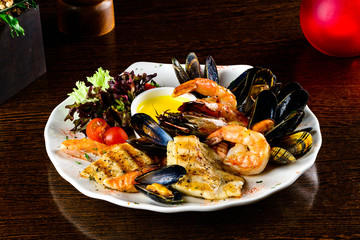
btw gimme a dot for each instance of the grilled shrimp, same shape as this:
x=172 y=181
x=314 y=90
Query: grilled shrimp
x=251 y=152
x=125 y=183
x=85 y=148
x=220 y=103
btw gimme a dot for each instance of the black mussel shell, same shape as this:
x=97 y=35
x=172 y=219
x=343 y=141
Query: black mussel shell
x=286 y=126
x=175 y=199
x=148 y=128
x=211 y=71
x=287 y=89
x=165 y=176
x=264 y=108
x=294 y=102
x=145 y=144
x=281 y=156
x=180 y=73
x=237 y=85
x=242 y=91
x=263 y=79
x=192 y=66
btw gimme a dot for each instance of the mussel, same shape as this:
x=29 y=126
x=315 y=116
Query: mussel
x=211 y=71
x=180 y=73
x=281 y=156
x=156 y=184
x=263 y=79
x=263 y=114
x=193 y=69
x=286 y=126
x=297 y=143
x=192 y=66
x=149 y=131
x=293 y=102
x=249 y=84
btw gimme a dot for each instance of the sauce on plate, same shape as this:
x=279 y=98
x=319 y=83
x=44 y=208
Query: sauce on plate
x=157 y=105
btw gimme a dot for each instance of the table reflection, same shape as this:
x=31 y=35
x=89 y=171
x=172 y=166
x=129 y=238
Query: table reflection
x=82 y=211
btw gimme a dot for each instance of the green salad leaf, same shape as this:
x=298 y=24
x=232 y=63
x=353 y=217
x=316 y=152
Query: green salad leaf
x=100 y=79
x=106 y=97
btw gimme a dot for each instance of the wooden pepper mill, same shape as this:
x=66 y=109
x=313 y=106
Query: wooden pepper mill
x=85 y=17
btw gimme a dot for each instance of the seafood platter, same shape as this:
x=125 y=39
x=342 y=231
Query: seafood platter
x=240 y=137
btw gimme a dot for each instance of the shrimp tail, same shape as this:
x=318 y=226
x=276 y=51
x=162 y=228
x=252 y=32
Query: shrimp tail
x=125 y=183
x=186 y=87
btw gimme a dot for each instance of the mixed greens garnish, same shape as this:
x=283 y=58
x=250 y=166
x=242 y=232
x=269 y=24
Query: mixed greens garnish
x=107 y=97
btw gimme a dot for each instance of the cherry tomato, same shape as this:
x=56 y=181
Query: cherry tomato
x=96 y=129
x=148 y=86
x=115 y=135
x=332 y=26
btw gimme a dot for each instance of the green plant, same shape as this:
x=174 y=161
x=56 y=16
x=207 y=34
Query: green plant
x=8 y=18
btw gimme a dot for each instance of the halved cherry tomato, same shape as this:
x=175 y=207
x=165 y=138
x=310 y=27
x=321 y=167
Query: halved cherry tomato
x=115 y=135
x=148 y=86
x=96 y=129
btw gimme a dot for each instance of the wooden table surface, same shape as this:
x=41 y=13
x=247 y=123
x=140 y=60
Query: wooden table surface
x=37 y=203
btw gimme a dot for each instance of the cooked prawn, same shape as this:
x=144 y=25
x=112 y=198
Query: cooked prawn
x=251 y=152
x=125 y=183
x=85 y=148
x=220 y=103
x=207 y=87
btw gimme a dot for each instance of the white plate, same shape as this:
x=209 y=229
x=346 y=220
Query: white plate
x=258 y=187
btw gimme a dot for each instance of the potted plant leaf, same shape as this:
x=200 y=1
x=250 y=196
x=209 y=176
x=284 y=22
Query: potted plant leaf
x=21 y=46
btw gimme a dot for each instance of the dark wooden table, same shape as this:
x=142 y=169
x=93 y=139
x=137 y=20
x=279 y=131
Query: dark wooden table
x=36 y=202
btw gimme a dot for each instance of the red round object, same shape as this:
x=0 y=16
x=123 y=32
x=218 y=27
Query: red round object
x=96 y=129
x=332 y=26
x=115 y=135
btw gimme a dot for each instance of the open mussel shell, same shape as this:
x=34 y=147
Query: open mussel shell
x=165 y=176
x=264 y=108
x=281 y=156
x=174 y=198
x=148 y=128
x=286 y=126
x=211 y=71
x=294 y=102
x=159 y=180
x=263 y=79
x=241 y=86
x=192 y=66
x=180 y=73
x=297 y=143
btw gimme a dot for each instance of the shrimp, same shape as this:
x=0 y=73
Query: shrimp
x=125 y=183
x=85 y=148
x=221 y=101
x=207 y=87
x=251 y=152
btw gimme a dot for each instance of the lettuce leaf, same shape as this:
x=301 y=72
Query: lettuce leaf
x=100 y=79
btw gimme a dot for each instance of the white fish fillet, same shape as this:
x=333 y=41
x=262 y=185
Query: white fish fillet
x=121 y=159
x=206 y=177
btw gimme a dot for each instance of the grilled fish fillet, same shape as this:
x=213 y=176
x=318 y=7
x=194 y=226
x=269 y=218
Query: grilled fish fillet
x=205 y=176
x=120 y=160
